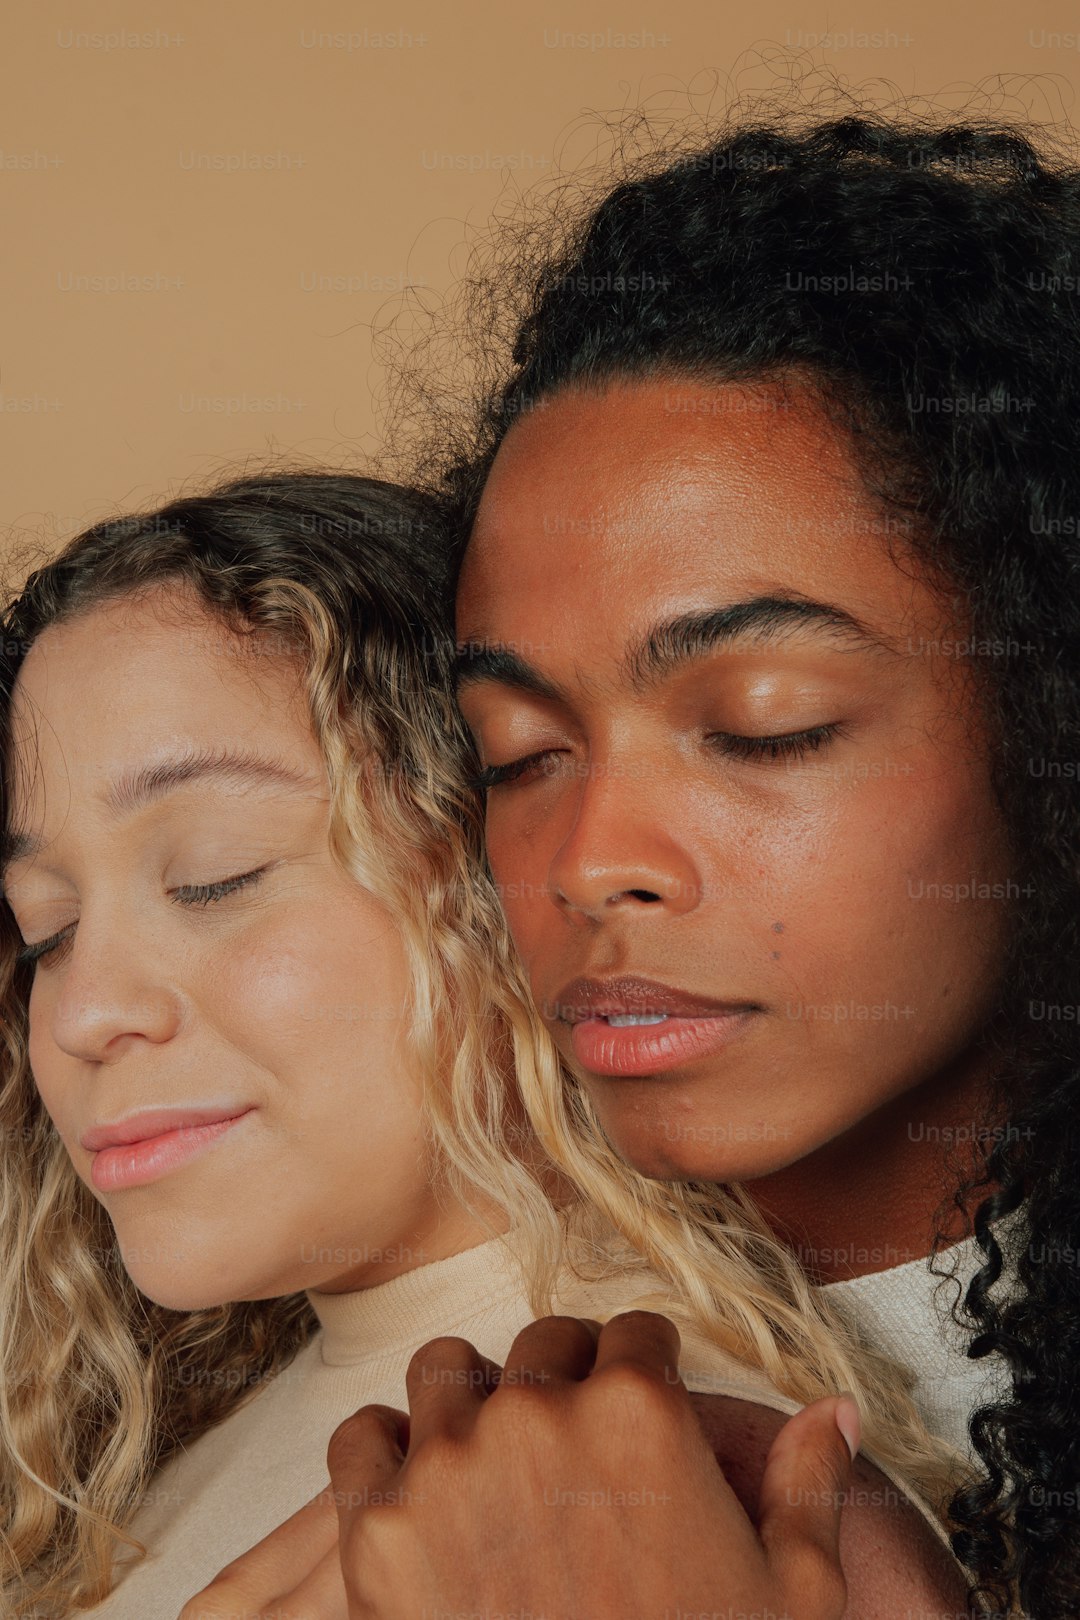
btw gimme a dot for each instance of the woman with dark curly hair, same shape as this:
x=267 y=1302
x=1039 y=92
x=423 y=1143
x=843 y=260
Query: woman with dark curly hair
x=766 y=574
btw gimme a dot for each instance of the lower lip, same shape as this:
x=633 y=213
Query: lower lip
x=634 y=1049
x=135 y=1163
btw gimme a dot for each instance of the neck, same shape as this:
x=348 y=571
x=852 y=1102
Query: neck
x=452 y=1232
x=871 y=1198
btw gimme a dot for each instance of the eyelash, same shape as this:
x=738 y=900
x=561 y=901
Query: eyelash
x=189 y=894
x=496 y=775
x=792 y=746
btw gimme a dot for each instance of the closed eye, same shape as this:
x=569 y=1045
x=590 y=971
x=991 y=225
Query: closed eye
x=496 y=775
x=200 y=894
x=790 y=745
x=45 y=947
x=194 y=894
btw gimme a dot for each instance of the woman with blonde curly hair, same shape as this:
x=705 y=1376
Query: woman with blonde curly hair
x=267 y=1065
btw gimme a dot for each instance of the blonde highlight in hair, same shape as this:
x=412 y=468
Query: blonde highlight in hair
x=100 y=1386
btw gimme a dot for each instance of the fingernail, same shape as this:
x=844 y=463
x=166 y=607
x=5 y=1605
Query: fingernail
x=848 y=1421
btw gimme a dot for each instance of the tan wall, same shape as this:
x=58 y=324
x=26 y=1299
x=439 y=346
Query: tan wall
x=174 y=177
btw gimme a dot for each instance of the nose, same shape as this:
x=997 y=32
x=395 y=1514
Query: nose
x=115 y=989
x=622 y=853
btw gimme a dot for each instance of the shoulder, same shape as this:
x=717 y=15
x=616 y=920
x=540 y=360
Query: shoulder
x=893 y=1562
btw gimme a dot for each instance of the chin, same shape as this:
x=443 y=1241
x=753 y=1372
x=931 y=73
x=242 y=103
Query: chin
x=177 y=1295
x=180 y=1281
x=669 y=1150
x=663 y=1157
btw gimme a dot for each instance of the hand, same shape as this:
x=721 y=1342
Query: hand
x=578 y=1482
x=294 y=1573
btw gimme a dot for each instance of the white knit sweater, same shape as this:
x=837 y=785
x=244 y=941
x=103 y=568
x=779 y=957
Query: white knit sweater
x=905 y=1311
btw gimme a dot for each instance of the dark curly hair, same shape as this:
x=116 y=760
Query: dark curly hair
x=924 y=279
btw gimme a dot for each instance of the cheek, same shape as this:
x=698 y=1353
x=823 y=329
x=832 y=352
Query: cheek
x=279 y=1002
x=519 y=858
x=879 y=889
x=278 y=981
x=950 y=894
x=922 y=846
x=46 y=1061
x=318 y=994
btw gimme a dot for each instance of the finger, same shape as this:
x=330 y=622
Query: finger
x=643 y=1339
x=447 y=1381
x=272 y=1565
x=364 y=1455
x=319 y=1596
x=395 y=1424
x=804 y=1486
x=551 y=1350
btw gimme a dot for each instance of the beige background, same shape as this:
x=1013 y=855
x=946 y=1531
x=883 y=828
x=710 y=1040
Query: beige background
x=206 y=205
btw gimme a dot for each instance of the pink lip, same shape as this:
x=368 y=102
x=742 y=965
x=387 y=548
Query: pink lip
x=695 y=1026
x=149 y=1145
x=587 y=998
x=154 y=1122
x=653 y=1048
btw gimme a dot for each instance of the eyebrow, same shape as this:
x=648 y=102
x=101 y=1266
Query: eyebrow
x=479 y=662
x=677 y=641
x=134 y=789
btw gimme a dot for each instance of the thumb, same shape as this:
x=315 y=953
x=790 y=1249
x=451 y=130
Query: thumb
x=806 y=1481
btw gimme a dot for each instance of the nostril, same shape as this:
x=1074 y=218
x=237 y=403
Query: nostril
x=643 y=894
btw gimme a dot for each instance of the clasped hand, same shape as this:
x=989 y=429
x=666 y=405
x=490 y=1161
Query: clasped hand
x=573 y=1482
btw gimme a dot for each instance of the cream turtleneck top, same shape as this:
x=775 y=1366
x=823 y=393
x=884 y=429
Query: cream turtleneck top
x=236 y=1483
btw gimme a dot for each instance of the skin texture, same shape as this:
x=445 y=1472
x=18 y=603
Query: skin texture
x=286 y=995
x=824 y=890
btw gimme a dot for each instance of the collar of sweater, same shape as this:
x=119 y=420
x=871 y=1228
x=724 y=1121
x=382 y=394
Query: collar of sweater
x=430 y=1299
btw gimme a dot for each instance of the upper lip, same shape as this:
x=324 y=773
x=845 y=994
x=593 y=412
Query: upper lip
x=628 y=994
x=154 y=1122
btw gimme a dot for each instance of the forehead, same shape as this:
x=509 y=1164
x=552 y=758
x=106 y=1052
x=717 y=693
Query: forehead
x=677 y=489
x=135 y=677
